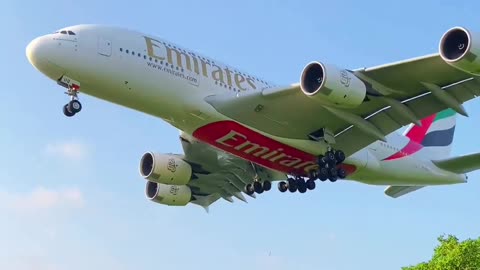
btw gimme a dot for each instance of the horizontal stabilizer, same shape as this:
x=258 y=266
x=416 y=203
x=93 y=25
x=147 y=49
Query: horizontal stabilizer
x=461 y=164
x=397 y=191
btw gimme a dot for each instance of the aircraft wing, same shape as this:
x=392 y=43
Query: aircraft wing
x=217 y=174
x=400 y=94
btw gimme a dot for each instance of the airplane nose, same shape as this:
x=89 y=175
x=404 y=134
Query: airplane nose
x=34 y=51
x=40 y=54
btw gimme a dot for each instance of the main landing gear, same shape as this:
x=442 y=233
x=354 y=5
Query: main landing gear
x=328 y=169
x=296 y=184
x=258 y=187
x=74 y=106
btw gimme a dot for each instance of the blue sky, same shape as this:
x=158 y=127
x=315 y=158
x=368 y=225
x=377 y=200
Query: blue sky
x=70 y=193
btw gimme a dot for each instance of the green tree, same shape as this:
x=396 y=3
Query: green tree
x=451 y=254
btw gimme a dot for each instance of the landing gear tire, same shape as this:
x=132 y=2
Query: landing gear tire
x=323 y=174
x=292 y=186
x=341 y=173
x=339 y=156
x=67 y=112
x=310 y=184
x=257 y=186
x=301 y=185
x=267 y=185
x=322 y=161
x=249 y=189
x=74 y=106
x=282 y=186
x=330 y=157
x=332 y=174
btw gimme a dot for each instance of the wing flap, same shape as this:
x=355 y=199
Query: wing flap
x=461 y=164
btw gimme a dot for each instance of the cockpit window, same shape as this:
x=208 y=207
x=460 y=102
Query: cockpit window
x=65 y=32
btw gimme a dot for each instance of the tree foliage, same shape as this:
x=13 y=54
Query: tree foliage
x=452 y=254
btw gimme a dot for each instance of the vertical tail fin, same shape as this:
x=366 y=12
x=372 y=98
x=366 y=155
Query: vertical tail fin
x=436 y=133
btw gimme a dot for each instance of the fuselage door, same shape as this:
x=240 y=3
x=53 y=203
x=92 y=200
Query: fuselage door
x=104 y=46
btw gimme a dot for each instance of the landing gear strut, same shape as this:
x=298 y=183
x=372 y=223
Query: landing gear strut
x=74 y=106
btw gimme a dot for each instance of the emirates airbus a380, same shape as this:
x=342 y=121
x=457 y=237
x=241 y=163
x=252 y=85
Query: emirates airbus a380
x=235 y=133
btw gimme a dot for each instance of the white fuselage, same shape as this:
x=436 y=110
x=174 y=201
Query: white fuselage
x=159 y=78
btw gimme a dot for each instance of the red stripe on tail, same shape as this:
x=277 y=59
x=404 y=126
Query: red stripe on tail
x=417 y=133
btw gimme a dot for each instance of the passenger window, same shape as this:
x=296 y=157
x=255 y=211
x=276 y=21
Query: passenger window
x=121 y=49
x=144 y=57
x=139 y=54
x=126 y=51
x=133 y=53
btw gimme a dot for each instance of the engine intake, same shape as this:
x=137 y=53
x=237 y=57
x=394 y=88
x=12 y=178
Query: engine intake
x=165 y=169
x=168 y=194
x=332 y=86
x=460 y=49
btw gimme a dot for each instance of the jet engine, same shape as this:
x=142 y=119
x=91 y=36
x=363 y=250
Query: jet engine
x=461 y=49
x=168 y=194
x=330 y=85
x=165 y=169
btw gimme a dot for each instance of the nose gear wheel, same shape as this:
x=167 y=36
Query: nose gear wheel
x=73 y=106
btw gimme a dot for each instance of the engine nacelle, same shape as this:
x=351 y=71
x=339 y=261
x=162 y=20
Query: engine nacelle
x=461 y=49
x=165 y=169
x=168 y=194
x=330 y=85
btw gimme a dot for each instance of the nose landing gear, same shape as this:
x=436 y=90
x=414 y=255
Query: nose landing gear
x=74 y=106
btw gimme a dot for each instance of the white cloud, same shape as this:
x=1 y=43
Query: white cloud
x=41 y=199
x=72 y=150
